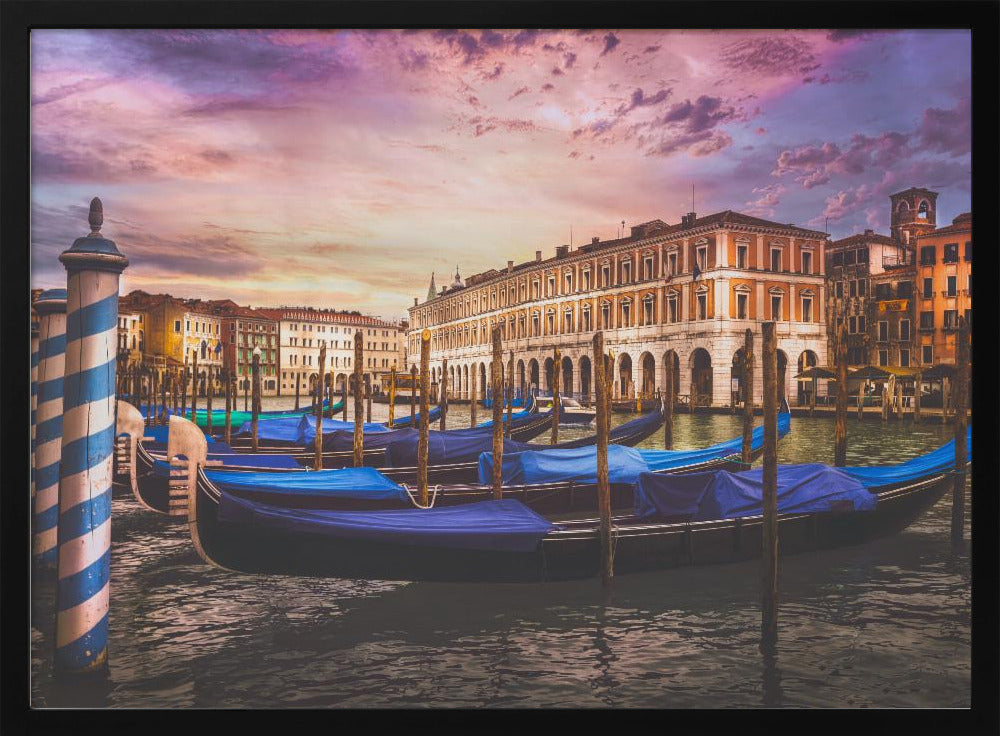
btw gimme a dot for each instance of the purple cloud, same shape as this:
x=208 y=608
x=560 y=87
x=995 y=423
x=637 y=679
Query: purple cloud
x=770 y=55
x=948 y=131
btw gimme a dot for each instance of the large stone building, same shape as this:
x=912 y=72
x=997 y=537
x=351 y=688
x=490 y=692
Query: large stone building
x=692 y=288
x=304 y=330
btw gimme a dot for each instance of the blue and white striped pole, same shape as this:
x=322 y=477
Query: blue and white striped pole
x=93 y=266
x=51 y=309
x=34 y=398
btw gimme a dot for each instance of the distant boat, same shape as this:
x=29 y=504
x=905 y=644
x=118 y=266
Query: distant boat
x=571 y=411
x=694 y=519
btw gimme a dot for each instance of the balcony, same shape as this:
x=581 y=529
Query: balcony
x=967 y=292
x=890 y=262
x=926 y=328
x=949 y=294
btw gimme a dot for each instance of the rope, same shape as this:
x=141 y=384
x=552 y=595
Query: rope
x=416 y=503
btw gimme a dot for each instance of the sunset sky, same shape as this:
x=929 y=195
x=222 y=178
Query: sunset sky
x=338 y=169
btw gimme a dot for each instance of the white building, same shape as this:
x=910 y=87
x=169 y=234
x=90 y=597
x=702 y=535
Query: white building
x=687 y=291
x=303 y=331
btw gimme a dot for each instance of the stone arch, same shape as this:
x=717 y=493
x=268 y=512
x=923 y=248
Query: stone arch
x=465 y=380
x=647 y=372
x=737 y=376
x=566 y=380
x=701 y=377
x=672 y=362
x=624 y=387
x=782 y=361
x=483 y=379
x=341 y=381
x=586 y=378
x=804 y=387
x=519 y=377
x=533 y=378
x=548 y=373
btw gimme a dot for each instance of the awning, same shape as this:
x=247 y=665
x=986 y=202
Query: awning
x=817 y=371
x=870 y=372
x=939 y=371
x=900 y=372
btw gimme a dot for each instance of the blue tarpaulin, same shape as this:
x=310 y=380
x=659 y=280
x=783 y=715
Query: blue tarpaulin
x=302 y=430
x=245 y=460
x=502 y=525
x=940 y=460
x=514 y=417
x=452 y=446
x=342 y=440
x=404 y=421
x=535 y=466
x=344 y=483
x=725 y=495
x=160 y=432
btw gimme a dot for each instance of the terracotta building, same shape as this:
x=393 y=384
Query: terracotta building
x=244 y=329
x=944 y=284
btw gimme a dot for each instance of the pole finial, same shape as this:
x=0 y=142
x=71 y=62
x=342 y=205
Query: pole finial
x=96 y=216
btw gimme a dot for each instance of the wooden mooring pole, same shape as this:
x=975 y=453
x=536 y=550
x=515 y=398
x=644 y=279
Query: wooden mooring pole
x=603 y=486
x=183 y=391
x=747 y=450
x=556 y=371
x=343 y=393
x=255 y=403
x=840 y=420
x=916 y=397
x=671 y=391
x=960 y=393
x=769 y=561
x=413 y=393
x=164 y=384
x=472 y=400
x=359 y=427
x=228 y=376
x=246 y=394
x=423 y=437
x=368 y=398
x=318 y=438
x=509 y=392
x=209 y=391
x=497 y=376
x=392 y=395
x=298 y=380
x=444 y=395
x=194 y=389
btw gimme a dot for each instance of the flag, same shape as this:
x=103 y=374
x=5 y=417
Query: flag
x=696 y=272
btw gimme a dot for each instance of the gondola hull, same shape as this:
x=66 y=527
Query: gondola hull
x=571 y=552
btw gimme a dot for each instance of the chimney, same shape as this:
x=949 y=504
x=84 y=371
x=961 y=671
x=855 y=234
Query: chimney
x=561 y=251
x=414 y=301
x=538 y=256
x=688 y=219
x=595 y=240
x=510 y=266
x=869 y=232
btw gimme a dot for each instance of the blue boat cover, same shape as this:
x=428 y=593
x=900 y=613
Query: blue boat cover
x=504 y=525
x=245 y=460
x=342 y=440
x=217 y=447
x=536 y=466
x=160 y=432
x=514 y=417
x=451 y=446
x=344 y=483
x=432 y=416
x=938 y=461
x=725 y=495
x=301 y=430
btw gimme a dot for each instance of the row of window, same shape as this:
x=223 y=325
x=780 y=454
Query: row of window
x=200 y=327
x=308 y=327
x=670 y=269
x=928 y=253
x=467 y=336
x=848 y=257
x=950 y=319
x=950 y=290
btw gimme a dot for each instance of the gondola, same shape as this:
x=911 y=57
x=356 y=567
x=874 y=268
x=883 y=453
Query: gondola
x=237 y=417
x=453 y=460
x=565 y=485
x=696 y=519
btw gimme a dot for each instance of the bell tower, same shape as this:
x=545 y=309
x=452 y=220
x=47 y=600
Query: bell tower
x=914 y=212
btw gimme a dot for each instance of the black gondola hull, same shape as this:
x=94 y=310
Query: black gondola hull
x=571 y=553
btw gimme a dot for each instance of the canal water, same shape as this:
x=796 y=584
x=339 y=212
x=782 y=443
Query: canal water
x=885 y=624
